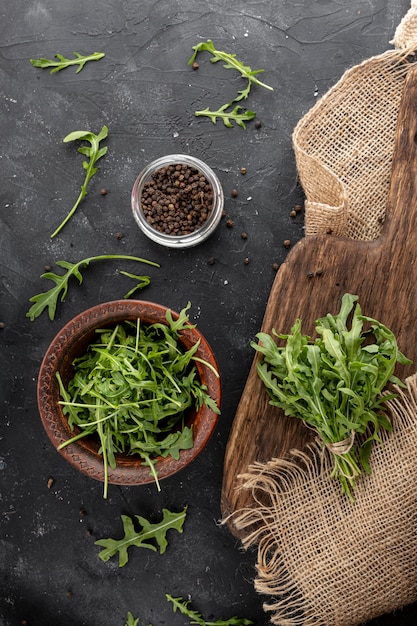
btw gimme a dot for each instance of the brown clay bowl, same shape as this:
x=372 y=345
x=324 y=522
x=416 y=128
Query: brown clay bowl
x=71 y=342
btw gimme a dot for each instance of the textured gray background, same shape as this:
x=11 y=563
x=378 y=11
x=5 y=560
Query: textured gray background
x=145 y=92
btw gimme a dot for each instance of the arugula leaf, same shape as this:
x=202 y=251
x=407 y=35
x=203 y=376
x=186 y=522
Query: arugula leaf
x=131 y=621
x=227 y=116
x=230 y=62
x=143 y=281
x=335 y=383
x=49 y=299
x=94 y=153
x=149 y=533
x=63 y=62
x=196 y=618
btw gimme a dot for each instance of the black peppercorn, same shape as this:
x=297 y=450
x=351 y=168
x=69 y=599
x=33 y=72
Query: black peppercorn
x=177 y=199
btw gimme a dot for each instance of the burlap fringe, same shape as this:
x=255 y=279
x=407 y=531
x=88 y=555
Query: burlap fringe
x=319 y=513
x=343 y=148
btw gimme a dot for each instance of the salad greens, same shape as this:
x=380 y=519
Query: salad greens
x=155 y=533
x=196 y=618
x=230 y=62
x=63 y=62
x=132 y=389
x=49 y=299
x=94 y=153
x=334 y=384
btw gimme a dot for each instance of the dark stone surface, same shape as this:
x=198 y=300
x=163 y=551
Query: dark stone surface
x=146 y=94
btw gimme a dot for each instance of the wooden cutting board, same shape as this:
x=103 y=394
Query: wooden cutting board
x=311 y=283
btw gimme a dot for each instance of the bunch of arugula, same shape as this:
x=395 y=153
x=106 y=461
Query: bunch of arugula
x=237 y=114
x=334 y=384
x=49 y=299
x=94 y=152
x=132 y=389
x=63 y=62
x=142 y=539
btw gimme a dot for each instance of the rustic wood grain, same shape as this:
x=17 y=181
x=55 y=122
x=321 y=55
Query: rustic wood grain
x=311 y=283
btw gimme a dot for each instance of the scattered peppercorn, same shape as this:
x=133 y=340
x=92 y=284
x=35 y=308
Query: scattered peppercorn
x=119 y=236
x=177 y=199
x=234 y=193
x=224 y=213
x=50 y=482
x=286 y=243
x=195 y=65
x=275 y=266
x=211 y=260
x=298 y=208
x=243 y=170
x=2 y=325
x=229 y=223
x=47 y=268
x=82 y=512
x=103 y=192
x=69 y=593
x=319 y=272
x=246 y=261
x=293 y=213
x=244 y=235
x=258 y=124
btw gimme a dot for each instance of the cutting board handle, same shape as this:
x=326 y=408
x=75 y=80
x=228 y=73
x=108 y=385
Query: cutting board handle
x=400 y=217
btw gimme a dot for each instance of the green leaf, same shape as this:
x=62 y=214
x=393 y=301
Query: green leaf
x=94 y=153
x=63 y=62
x=49 y=299
x=143 y=281
x=131 y=621
x=230 y=62
x=147 y=537
x=181 y=605
x=228 y=116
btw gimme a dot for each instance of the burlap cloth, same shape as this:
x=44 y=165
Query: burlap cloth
x=323 y=561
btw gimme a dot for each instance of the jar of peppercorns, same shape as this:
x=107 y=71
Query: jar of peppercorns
x=177 y=201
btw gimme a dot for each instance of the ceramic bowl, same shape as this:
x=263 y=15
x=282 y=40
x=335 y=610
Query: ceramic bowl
x=72 y=342
x=193 y=165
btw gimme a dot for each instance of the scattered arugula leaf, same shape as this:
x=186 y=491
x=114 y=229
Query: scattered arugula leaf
x=131 y=621
x=143 y=281
x=334 y=384
x=196 y=618
x=63 y=62
x=132 y=389
x=94 y=153
x=227 y=116
x=230 y=62
x=143 y=539
x=49 y=299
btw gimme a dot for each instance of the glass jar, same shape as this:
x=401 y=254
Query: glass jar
x=212 y=209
